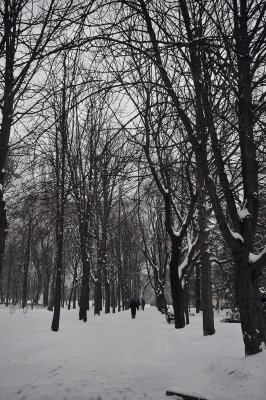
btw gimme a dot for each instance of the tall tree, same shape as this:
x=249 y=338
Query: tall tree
x=217 y=49
x=57 y=25
x=60 y=172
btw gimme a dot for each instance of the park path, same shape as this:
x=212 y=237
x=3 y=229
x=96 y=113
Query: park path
x=115 y=357
x=110 y=357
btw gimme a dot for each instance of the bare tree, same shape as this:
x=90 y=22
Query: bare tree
x=218 y=51
x=31 y=33
x=153 y=240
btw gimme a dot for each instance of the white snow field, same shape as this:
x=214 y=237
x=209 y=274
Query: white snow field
x=115 y=357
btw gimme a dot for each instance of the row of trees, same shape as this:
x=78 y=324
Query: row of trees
x=143 y=131
x=207 y=60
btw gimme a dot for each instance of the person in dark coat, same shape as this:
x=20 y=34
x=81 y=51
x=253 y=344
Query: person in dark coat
x=133 y=307
x=138 y=304
x=142 y=304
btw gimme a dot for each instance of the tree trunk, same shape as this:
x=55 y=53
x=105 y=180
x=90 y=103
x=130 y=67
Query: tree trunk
x=51 y=290
x=186 y=303
x=37 y=294
x=84 y=298
x=161 y=301
x=57 y=297
x=75 y=296
x=84 y=295
x=63 y=288
x=61 y=133
x=15 y=293
x=206 y=281
x=8 y=288
x=118 y=295
x=197 y=288
x=7 y=101
x=26 y=268
x=250 y=306
x=107 y=291
x=176 y=286
x=58 y=266
x=46 y=289
x=97 y=298
x=74 y=282
x=3 y=226
x=113 y=296
x=206 y=296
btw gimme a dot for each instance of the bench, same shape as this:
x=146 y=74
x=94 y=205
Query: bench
x=169 y=317
x=184 y=396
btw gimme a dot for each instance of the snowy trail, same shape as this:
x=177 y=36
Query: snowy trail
x=103 y=359
x=113 y=357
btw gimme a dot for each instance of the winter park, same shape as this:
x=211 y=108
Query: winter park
x=132 y=200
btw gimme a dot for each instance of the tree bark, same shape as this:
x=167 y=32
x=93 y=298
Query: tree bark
x=97 y=298
x=74 y=283
x=107 y=291
x=26 y=266
x=177 y=290
x=7 y=114
x=186 y=302
x=206 y=297
x=61 y=134
x=206 y=280
x=8 y=287
x=85 y=288
x=161 y=301
x=250 y=306
x=57 y=297
x=197 y=288
x=113 y=296
x=51 y=289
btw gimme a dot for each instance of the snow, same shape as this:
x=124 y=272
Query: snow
x=116 y=357
x=243 y=213
x=176 y=233
x=255 y=257
x=237 y=236
x=182 y=266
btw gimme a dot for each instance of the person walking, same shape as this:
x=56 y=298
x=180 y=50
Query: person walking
x=133 y=307
x=138 y=304
x=142 y=304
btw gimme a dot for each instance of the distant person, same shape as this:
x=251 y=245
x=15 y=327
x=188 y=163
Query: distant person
x=138 y=304
x=142 y=304
x=133 y=307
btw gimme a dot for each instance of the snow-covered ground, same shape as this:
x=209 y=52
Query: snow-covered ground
x=113 y=357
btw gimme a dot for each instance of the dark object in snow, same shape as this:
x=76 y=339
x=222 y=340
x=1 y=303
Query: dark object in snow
x=232 y=317
x=170 y=317
x=133 y=307
x=231 y=320
x=184 y=396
